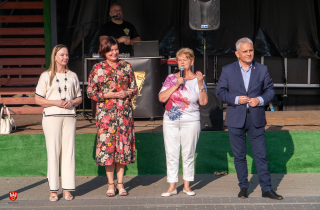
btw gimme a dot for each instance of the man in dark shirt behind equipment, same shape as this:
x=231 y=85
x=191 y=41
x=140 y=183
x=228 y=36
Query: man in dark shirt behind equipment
x=122 y=30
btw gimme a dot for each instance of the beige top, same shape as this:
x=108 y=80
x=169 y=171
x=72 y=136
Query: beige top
x=46 y=91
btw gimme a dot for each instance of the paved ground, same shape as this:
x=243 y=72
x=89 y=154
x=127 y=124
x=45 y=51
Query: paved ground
x=301 y=191
x=288 y=120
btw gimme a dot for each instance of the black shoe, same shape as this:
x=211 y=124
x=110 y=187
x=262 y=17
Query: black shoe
x=243 y=193
x=272 y=195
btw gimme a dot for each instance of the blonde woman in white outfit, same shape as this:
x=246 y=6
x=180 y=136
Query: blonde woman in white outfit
x=181 y=120
x=58 y=91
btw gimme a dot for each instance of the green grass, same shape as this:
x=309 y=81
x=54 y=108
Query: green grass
x=288 y=152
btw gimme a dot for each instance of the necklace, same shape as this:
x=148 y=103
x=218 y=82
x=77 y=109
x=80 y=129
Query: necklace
x=65 y=85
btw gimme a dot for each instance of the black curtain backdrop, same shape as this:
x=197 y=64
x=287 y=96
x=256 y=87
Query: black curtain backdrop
x=286 y=28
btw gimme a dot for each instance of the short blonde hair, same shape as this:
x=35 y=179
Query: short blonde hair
x=186 y=52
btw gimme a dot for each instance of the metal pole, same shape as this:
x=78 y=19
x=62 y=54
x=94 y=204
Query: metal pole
x=204 y=56
x=309 y=71
x=82 y=28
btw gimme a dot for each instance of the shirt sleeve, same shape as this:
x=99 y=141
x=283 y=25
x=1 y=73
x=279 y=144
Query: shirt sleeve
x=77 y=88
x=236 y=101
x=261 y=103
x=134 y=33
x=41 y=88
x=132 y=86
x=93 y=90
x=168 y=83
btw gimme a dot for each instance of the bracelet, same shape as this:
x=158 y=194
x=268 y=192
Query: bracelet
x=203 y=89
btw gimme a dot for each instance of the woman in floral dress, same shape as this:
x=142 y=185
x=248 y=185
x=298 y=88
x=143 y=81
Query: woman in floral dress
x=112 y=84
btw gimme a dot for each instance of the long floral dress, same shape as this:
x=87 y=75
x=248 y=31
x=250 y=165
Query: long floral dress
x=115 y=138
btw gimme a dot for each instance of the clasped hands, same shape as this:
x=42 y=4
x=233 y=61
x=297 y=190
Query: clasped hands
x=120 y=94
x=66 y=104
x=253 y=102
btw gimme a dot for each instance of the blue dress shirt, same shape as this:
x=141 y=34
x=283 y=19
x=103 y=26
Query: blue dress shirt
x=246 y=78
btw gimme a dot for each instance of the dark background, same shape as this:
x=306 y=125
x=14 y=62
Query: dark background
x=279 y=29
x=286 y=28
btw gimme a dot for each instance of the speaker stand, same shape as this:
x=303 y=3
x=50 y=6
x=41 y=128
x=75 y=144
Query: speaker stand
x=204 y=42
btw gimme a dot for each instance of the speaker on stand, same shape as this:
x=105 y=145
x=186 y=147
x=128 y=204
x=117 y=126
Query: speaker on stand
x=211 y=115
x=204 y=15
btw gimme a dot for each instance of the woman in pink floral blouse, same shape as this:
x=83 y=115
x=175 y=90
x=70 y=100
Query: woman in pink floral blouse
x=112 y=84
x=181 y=120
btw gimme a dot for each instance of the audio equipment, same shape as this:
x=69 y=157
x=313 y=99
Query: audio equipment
x=204 y=15
x=211 y=115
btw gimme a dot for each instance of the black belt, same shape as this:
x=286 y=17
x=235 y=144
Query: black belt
x=248 y=110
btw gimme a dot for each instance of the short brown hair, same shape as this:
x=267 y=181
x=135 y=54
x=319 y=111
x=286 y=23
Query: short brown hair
x=187 y=52
x=106 y=44
x=115 y=4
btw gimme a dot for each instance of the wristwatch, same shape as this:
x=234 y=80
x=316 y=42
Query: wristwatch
x=203 y=89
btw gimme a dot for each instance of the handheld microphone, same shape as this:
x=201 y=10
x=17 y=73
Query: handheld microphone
x=114 y=16
x=181 y=75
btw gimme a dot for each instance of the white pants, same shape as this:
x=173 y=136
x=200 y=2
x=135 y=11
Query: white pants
x=60 y=143
x=185 y=134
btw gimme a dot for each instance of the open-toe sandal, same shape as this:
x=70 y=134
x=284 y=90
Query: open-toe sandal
x=68 y=197
x=53 y=198
x=122 y=191
x=111 y=192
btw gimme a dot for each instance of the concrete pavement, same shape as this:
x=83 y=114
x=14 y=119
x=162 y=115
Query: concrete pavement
x=300 y=191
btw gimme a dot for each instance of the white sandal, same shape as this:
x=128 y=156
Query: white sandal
x=122 y=190
x=111 y=191
x=169 y=194
x=191 y=193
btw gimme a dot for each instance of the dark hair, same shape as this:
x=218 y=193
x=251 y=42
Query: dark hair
x=105 y=46
x=114 y=4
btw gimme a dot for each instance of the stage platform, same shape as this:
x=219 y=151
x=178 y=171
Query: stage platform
x=276 y=121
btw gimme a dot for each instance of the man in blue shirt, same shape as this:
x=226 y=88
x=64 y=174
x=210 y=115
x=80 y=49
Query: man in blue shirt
x=246 y=87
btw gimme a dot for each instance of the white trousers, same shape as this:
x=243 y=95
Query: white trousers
x=186 y=135
x=60 y=143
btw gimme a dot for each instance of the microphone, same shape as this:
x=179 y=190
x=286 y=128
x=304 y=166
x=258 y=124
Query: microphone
x=114 y=16
x=181 y=75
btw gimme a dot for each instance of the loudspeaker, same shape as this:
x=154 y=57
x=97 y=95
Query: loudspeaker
x=204 y=15
x=211 y=115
